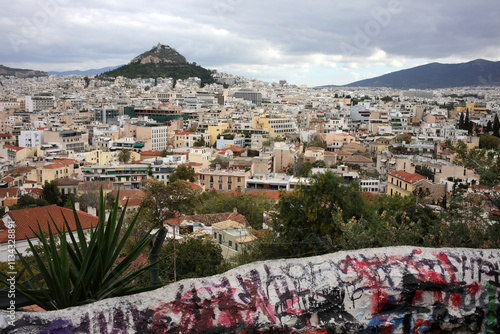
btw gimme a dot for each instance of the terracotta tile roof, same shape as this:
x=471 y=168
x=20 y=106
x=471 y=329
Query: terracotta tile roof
x=5 y=135
x=151 y=153
x=54 y=166
x=183 y=133
x=340 y=152
x=27 y=219
x=191 y=163
x=66 y=181
x=36 y=191
x=195 y=186
x=20 y=170
x=12 y=147
x=358 y=158
x=237 y=149
x=8 y=192
x=134 y=196
x=211 y=218
x=7 y=179
x=314 y=148
x=407 y=177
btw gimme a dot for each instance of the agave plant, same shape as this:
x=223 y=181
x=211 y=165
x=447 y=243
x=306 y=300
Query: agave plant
x=84 y=269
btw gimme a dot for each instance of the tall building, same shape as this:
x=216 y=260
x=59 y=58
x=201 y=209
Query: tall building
x=249 y=95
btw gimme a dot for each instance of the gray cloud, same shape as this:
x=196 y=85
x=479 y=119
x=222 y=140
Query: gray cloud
x=287 y=38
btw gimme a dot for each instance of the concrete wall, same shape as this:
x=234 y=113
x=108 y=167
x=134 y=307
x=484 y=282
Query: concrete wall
x=386 y=290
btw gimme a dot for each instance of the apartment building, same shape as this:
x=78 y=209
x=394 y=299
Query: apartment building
x=222 y=179
x=405 y=184
x=232 y=237
x=31 y=138
x=202 y=155
x=187 y=138
x=51 y=171
x=276 y=126
x=126 y=176
x=71 y=140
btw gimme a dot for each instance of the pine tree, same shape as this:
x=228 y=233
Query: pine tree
x=496 y=127
x=461 y=121
x=489 y=127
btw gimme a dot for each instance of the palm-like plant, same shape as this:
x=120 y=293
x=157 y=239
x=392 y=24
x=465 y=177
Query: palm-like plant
x=84 y=269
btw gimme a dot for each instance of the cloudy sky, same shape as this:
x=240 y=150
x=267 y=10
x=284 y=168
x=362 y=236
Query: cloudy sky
x=305 y=42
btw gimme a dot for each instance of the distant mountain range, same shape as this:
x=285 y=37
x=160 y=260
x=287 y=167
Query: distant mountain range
x=478 y=72
x=20 y=73
x=86 y=72
x=161 y=61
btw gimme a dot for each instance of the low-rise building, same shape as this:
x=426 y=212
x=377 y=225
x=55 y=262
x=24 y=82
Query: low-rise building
x=232 y=237
x=222 y=179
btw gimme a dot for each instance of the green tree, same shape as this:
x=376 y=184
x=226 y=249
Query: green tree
x=124 y=156
x=496 y=127
x=309 y=219
x=425 y=171
x=51 y=192
x=200 y=142
x=485 y=163
x=386 y=99
x=488 y=141
x=27 y=201
x=165 y=202
x=489 y=127
x=221 y=161
x=461 y=121
x=195 y=257
x=252 y=207
x=88 y=198
x=182 y=172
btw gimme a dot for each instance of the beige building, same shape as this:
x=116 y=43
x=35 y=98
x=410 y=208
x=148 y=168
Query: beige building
x=313 y=154
x=232 y=237
x=51 y=172
x=17 y=155
x=98 y=157
x=222 y=179
x=335 y=141
x=284 y=155
x=76 y=141
x=201 y=155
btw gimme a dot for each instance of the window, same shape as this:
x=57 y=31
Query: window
x=220 y=238
x=230 y=244
x=236 y=246
x=215 y=235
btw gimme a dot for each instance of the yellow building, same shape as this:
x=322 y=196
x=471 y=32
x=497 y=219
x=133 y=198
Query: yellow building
x=474 y=108
x=50 y=172
x=98 y=157
x=214 y=130
x=403 y=183
x=276 y=126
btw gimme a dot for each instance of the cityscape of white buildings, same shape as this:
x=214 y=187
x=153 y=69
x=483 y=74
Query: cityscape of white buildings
x=265 y=131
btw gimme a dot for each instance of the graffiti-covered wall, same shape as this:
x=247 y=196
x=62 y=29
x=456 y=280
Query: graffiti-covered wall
x=384 y=290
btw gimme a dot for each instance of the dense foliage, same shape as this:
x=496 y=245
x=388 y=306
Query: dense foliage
x=163 y=70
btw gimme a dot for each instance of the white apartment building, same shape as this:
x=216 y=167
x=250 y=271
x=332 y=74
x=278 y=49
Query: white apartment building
x=30 y=138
